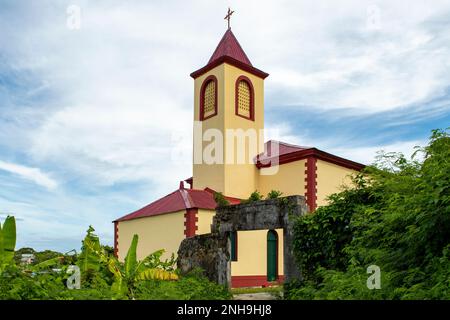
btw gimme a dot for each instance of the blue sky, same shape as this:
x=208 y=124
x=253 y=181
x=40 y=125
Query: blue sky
x=85 y=135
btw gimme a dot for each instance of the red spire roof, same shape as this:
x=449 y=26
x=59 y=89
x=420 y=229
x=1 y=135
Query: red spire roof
x=229 y=51
x=229 y=46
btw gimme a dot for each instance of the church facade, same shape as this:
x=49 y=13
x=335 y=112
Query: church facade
x=231 y=157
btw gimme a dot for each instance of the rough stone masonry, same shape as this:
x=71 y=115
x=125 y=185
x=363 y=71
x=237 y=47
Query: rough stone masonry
x=211 y=252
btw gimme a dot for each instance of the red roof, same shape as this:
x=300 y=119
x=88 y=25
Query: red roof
x=229 y=46
x=229 y=51
x=284 y=148
x=180 y=199
x=289 y=152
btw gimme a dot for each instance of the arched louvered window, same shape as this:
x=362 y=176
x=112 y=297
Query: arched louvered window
x=245 y=98
x=208 y=98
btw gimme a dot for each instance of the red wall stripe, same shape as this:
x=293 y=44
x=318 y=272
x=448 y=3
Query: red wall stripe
x=311 y=183
x=116 y=239
x=253 y=281
x=190 y=222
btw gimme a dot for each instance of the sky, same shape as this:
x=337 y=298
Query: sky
x=95 y=112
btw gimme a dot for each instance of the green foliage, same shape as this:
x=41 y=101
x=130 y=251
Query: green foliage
x=339 y=285
x=48 y=264
x=104 y=276
x=7 y=242
x=127 y=275
x=321 y=237
x=193 y=286
x=154 y=261
x=88 y=260
x=19 y=285
x=255 y=196
x=274 y=194
x=397 y=217
x=220 y=199
x=42 y=256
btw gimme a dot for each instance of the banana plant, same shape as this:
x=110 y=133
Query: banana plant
x=127 y=274
x=7 y=242
x=88 y=260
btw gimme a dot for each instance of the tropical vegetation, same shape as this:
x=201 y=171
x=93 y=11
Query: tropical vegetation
x=102 y=275
x=397 y=217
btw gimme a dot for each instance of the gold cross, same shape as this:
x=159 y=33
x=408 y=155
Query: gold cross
x=228 y=17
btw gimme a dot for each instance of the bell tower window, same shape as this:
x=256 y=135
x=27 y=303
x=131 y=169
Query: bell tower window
x=208 y=98
x=245 y=98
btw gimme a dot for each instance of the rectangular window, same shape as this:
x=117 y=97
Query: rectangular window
x=233 y=240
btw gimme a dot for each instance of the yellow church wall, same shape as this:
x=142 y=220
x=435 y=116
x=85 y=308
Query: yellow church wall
x=330 y=178
x=205 y=218
x=290 y=179
x=241 y=179
x=208 y=175
x=164 y=231
x=252 y=253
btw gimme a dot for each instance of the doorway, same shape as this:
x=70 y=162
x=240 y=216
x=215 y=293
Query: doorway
x=272 y=255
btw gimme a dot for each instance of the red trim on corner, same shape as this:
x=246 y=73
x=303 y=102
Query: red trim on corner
x=254 y=281
x=234 y=62
x=311 y=183
x=116 y=239
x=190 y=222
x=202 y=97
x=252 y=98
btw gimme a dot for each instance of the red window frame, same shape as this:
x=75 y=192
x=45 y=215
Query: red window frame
x=252 y=98
x=202 y=97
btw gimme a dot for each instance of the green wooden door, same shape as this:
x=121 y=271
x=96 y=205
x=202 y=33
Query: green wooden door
x=272 y=255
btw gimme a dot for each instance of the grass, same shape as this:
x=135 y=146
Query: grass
x=273 y=290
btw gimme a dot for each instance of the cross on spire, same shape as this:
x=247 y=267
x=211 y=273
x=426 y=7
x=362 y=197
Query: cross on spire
x=228 y=17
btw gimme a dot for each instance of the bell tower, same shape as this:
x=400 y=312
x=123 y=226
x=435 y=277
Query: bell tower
x=228 y=120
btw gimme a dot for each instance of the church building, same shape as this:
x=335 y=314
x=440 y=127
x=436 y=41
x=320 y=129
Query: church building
x=229 y=103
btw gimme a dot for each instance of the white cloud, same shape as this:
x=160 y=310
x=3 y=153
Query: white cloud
x=331 y=60
x=367 y=155
x=32 y=174
x=362 y=154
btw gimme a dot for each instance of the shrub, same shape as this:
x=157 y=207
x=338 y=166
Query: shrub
x=274 y=194
x=397 y=217
x=190 y=287
x=220 y=199
x=255 y=196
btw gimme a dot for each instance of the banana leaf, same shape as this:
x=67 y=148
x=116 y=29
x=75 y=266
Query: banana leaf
x=131 y=258
x=9 y=234
x=7 y=242
x=156 y=274
x=89 y=257
x=47 y=263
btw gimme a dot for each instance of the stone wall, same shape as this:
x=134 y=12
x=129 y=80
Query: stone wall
x=208 y=252
x=211 y=252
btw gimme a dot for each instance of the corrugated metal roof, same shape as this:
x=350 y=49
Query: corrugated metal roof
x=180 y=199
x=229 y=46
